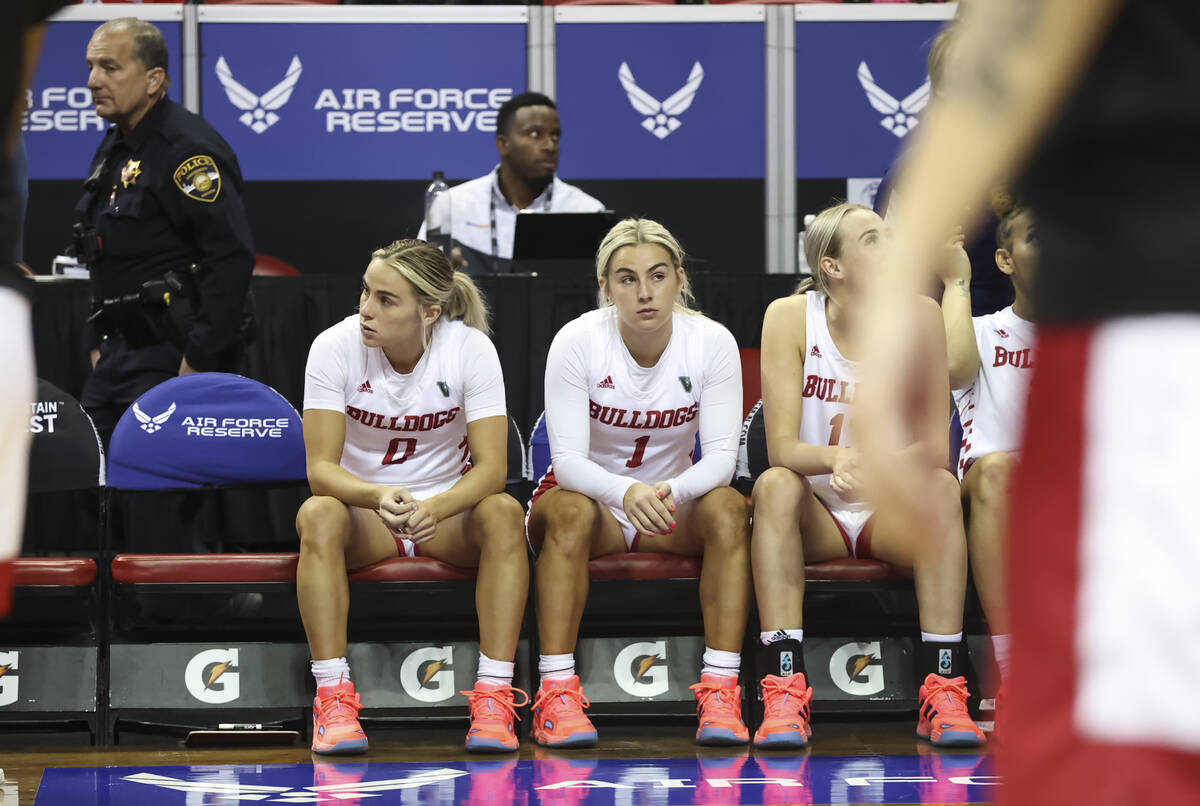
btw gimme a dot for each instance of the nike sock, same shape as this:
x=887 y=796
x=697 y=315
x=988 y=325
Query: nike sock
x=940 y=654
x=782 y=653
x=556 y=667
x=496 y=672
x=1000 y=646
x=718 y=661
x=330 y=672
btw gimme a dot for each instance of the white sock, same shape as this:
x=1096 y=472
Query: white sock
x=556 y=667
x=934 y=638
x=1000 y=646
x=769 y=637
x=497 y=672
x=330 y=672
x=718 y=661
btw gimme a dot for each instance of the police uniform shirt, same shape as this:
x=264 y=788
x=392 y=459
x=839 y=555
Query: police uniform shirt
x=167 y=195
x=409 y=429
x=1114 y=182
x=992 y=408
x=486 y=240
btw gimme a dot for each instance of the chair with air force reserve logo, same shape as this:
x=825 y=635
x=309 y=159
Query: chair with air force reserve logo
x=228 y=645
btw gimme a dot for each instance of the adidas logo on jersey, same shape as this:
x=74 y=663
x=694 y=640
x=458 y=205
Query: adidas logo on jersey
x=815 y=351
x=1002 y=333
x=606 y=383
x=366 y=387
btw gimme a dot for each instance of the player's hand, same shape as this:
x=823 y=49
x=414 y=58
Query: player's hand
x=847 y=476
x=394 y=508
x=953 y=264
x=422 y=523
x=650 y=508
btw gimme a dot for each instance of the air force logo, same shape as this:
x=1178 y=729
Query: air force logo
x=259 y=112
x=900 y=115
x=661 y=116
x=152 y=424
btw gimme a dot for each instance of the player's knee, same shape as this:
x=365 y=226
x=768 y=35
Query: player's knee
x=779 y=488
x=499 y=518
x=569 y=519
x=725 y=518
x=993 y=474
x=322 y=522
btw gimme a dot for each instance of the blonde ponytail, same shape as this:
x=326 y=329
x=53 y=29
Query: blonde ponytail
x=467 y=303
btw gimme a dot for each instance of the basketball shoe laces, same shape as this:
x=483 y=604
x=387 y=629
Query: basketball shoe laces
x=331 y=708
x=561 y=695
x=775 y=695
x=707 y=692
x=953 y=691
x=482 y=702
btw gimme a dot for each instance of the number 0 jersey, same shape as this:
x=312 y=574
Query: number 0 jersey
x=829 y=383
x=612 y=422
x=408 y=430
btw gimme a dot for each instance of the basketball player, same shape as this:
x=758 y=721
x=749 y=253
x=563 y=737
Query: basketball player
x=810 y=504
x=990 y=361
x=1094 y=103
x=627 y=388
x=406 y=437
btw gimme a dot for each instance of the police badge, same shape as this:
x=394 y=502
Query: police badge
x=199 y=178
x=130 y=172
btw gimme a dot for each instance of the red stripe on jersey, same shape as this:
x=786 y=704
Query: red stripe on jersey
x=1040 y=764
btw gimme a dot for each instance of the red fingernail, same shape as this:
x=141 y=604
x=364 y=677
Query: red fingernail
x=660 y=495
x=672 y=526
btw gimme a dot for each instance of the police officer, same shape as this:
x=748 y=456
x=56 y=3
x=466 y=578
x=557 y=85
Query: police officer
x=162 y=226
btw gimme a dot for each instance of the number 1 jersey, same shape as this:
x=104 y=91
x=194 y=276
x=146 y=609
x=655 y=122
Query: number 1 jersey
x=406 y=429
x=612 y=422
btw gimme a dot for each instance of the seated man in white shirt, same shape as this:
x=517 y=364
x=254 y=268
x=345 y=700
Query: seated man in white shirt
x=483 y=211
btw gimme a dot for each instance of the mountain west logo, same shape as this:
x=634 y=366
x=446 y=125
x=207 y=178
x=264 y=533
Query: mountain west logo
x=428 y=674
x=151 y=424
x=640 y=669
x=211 y=676
x=857 y=668
x=900 y=116
x=259 y=110
x=661 y=117
x=9 y=662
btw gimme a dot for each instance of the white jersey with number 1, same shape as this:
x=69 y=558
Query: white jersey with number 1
x=406 y=430
x=612 y=422
x=829 y=383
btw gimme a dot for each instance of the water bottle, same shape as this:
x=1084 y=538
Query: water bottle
x=437 y=212
x=802 y=266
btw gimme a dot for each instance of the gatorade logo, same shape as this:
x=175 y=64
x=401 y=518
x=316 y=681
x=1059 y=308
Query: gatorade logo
x=640 y=669
x=212 y=676
x=427 y=674
x=857 y=668
x=9 y=661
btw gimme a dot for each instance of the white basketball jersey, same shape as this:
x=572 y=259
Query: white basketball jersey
x=828 y=391
x=992 y=409
x=408 y=430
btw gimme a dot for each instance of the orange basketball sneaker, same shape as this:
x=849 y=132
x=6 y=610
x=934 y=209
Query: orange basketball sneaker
x=719 y=708
x=335 y=721
x=944 y=720
x=493 y=709
x=558 y=717
x=785 y=712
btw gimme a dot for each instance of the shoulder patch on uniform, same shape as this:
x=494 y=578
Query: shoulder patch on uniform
x=198 y=178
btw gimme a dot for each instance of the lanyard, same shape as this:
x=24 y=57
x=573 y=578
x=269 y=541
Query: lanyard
x=492 y=212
